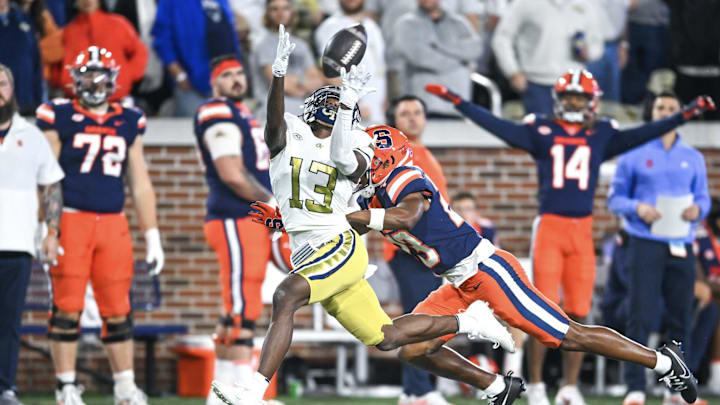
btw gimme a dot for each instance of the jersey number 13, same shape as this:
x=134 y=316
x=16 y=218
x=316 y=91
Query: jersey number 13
x=325 y=190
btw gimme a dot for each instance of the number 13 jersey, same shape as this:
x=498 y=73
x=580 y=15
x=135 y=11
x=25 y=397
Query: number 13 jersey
x=312 y=194
x=93 y=153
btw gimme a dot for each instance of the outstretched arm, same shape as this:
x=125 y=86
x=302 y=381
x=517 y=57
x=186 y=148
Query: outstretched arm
x=513 y=134
x=404 y=216
x=275 y=128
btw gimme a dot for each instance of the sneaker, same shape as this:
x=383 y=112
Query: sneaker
x=713 y=384
x=8 y=397
x=136 y=397
x=514 y=386
x=433 y=398
x=537 y=395
x=70 y=394
x=679 y=378
x=674 y=398
x=479 y=323
x=634 y=398
x=234 y=395
x=569 y=395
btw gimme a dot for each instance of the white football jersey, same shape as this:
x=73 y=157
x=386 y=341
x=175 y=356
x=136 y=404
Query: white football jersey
x=313 y=196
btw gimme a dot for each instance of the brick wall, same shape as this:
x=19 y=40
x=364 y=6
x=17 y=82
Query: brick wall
x=503 y=179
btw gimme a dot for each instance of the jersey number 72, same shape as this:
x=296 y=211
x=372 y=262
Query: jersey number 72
x=114 y=152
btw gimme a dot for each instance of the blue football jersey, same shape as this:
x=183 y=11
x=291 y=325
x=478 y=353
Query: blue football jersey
x=441 y=238
x=94 y=152
x=222 y=201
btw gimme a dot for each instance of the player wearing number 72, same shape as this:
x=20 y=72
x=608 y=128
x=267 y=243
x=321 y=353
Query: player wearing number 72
x=97 y=143
x=568 y=149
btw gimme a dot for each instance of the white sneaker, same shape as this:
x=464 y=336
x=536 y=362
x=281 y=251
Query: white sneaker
x=569 y=395
x=234 y=395
x=434 y=398
x=675 y=398
x=713 y=384
x=135 y=397
x=69 y=395
x=634 y=398
x=479 y=323
x=537 y=395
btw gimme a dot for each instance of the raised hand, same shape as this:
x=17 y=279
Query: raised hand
x=282 y=56
x=354 y=85
x=698 y=106
x=443 y=92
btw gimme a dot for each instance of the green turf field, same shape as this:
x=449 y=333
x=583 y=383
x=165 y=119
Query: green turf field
x=107 y=400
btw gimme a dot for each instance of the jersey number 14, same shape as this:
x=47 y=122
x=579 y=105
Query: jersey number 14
x=576 y=168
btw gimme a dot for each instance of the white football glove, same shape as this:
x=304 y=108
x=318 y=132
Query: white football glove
x=353 y=85
x=155 y=255
x=282 y=56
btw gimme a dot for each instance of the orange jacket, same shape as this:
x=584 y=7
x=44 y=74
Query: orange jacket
x=424 y=159
x=106 y=30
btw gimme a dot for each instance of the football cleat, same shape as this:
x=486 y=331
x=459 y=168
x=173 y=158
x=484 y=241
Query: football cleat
x=569 y=395
x=634 y=398
x=136 y=397
x=70 y=394
x=479 y=322
x=234 y=395
x=514 y=386
x=537 y=395
x=8 y=397
x=679 y=378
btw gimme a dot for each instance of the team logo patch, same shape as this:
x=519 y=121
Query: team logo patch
x=649 y=163
x=709 y=255
x=118 y=123
x=77 y=117
x=297 y=136
x=684 y=165
x=544 y=130
x=382 y=139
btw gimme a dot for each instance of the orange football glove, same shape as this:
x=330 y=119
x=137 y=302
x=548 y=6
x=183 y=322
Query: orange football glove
x=443 y=92
x=267 y=215
x=698 y=106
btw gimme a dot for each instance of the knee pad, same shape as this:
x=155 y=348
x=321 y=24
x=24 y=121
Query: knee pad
x=68 y=326
x=114 y=332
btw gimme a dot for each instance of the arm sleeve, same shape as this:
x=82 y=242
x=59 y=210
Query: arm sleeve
x=223 y=138
x=420 y=49
x=620 y=199
x=623 y=141
x=341 y=145
x=162 y=32
x=505 y=32
x=50 y=171
x=700 y=188
x=513 y=134
x=45 y=117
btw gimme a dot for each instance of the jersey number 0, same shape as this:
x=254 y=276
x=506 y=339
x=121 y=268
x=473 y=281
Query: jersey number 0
x=326 y=190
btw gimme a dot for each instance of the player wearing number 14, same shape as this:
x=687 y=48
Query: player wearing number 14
x=568 y=149
x=96 y=143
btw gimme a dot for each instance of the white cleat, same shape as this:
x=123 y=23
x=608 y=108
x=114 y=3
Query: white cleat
x=234 y=395
x=431 y=398
x=479 y=322
x=634 y=398
x=569 y=395
x=713 y=384
x=136 y=397
x=70 y=394
x=537 y=395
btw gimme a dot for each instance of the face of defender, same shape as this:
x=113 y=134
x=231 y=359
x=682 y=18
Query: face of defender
x=574 y=102
x=94 y=86
x=232 y=83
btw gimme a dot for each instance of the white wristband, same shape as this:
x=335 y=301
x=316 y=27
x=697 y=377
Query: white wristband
x=377 y=219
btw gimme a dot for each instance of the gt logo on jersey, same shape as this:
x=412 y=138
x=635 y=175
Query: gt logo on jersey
x=382 y=139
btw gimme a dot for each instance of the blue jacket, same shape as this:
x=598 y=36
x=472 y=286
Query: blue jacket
x=20 y=53
x=649 y=171
x=179 y=36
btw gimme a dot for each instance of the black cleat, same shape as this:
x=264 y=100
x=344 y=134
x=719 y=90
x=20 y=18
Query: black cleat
x=679 y=378
x=513 y=387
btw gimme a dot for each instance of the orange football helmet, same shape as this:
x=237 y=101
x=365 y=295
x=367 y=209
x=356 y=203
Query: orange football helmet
x=576 y=82
x=94 y=74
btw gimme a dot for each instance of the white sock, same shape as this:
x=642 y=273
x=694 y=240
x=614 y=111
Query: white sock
x=67 y=377
x=243 y=372
x=496 y=387
x=514 y=362
x=225 y=371
x=663 y=364
x=259 y=385
x=124 y=383
x=715 y=369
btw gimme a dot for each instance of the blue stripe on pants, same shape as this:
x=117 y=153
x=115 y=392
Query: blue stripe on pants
x=14 y=278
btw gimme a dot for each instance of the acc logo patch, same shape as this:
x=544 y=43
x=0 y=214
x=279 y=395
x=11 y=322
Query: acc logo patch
x=544 y=130
x=77 y=117
x=709 y=255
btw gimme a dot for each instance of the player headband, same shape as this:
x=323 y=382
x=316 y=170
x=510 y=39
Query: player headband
x=223 y=66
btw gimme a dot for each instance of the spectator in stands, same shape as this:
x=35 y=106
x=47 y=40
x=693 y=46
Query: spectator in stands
x=303 y=75
x=60 y=10
x=186 y=39
x=20 y=53
x=538 y=40
x=26 y=163
x=606 y=70
x=93 y=26
x=695 y=49
x=253 y=11
x=408 y=114
x=48 y=33
x=659 y=265
x=436 y=46
x=648 y=38
x=352 y=12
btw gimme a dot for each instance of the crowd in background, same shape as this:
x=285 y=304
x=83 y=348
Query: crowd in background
x=522 y=45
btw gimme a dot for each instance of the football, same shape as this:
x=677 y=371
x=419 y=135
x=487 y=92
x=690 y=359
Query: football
x=346 y=48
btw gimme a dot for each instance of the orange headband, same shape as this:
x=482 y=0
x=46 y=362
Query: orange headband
x=223 y=66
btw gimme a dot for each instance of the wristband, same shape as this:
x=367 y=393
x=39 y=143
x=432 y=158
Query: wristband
x=377 y=219
x=181 y=77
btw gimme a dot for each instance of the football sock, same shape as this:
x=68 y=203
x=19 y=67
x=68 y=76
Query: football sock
x=496 y=387
x=259 y=384
x=225 y=371
x=124 y=383
x=663 y=364
x=67 y=377
x=243 y=372
x=514 y=362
